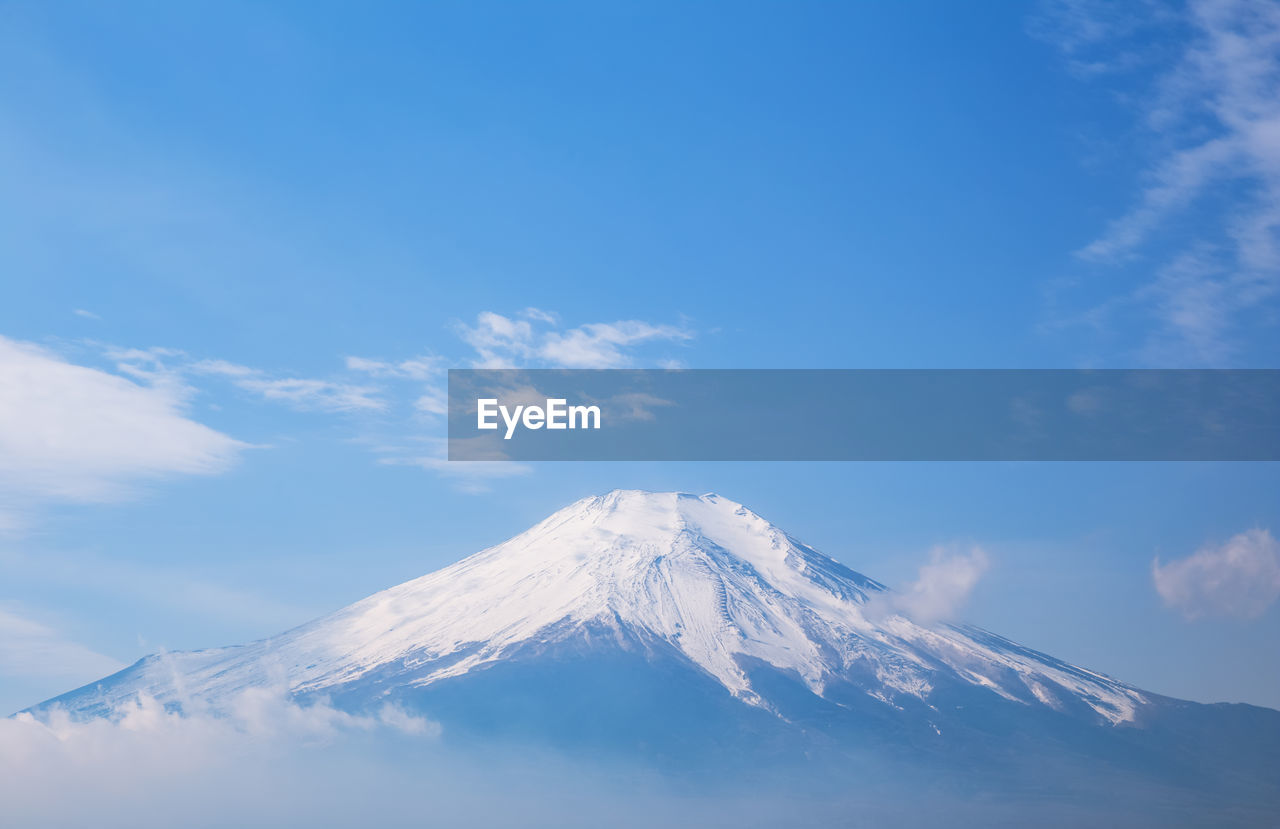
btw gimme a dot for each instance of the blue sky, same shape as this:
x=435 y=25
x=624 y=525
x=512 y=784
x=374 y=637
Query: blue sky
x=263 y=234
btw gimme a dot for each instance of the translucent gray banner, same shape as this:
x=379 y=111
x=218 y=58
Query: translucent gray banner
x=864 y=415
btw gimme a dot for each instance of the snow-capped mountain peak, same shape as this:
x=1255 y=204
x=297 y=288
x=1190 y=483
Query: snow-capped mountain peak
x=702 y=573
x=701 y=576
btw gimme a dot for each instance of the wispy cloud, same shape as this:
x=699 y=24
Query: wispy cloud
x=600 y=345
x=298 y=392
x=424 y=367
x=315 y=394
x=11 y=522
x=473 y=477
x=533 y=338
x=407 y=394
x=71 y=432
x=178 y=371
x=161 y=767
x=80 y=312
x=170 y=587
x=425 y=373
x=433 y=401
x=941 y=588
x=29 y=648
x=500 y=342
x=1213 y=115
x=271 y=761
x=1240 y=578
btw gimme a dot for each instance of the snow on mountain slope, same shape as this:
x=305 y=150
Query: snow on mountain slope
x=702 y=574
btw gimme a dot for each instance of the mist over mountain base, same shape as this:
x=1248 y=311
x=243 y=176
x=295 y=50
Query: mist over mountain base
x=637 y=659
x=273 y=762
x=1208 y=766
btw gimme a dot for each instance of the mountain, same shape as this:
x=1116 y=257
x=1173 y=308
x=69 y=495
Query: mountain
x=680 y=627
x=701 y=575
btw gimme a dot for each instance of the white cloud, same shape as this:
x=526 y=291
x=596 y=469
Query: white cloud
x=223 y=368
x=941 y=588
x=1176 y=182
x=1078 y=27
x=150 y=767
x=1195 y=299
x=152 y=366
x=540 y=315
x=531 y=338
x=433 y=401
x=634 y=406
x=80 y=312
x=426 y=369
x=499 y=342
x=31 y=649
x=315 y=394
x=272 y=762
x=298 y=392
x=472 y=477
x=600 y=345
x=1240 y=578
x=503 y=342
x=1214 y=116
x=415 y=368
x=78 y=433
